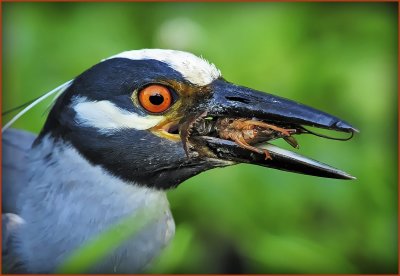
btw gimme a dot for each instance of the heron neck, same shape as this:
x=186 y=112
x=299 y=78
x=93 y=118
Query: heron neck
x=68 y=201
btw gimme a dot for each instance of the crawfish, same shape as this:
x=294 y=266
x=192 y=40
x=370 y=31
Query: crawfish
x=245 y=132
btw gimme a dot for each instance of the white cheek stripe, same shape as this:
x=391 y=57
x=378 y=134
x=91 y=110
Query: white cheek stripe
x=106 y=116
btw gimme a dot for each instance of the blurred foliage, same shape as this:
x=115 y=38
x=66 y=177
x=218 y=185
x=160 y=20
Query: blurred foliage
x=94 y=251
x=337 y=57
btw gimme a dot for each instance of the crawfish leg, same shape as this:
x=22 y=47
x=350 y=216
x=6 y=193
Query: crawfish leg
x=265 y=125
x=242 y=142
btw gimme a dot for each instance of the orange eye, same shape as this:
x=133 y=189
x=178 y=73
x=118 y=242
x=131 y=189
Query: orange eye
x=155 y=98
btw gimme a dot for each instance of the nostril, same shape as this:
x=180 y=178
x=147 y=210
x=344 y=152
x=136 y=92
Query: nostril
x=238 y=99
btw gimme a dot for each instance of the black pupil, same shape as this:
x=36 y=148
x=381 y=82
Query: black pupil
x=156 y=99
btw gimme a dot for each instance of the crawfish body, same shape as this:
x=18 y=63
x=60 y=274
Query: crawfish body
x=245 y=132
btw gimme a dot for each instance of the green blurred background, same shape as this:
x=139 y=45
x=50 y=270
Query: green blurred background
x=338 y=57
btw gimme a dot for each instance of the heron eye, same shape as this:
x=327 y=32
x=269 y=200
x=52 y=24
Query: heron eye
x=155 y=98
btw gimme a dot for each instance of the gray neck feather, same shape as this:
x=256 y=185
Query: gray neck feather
x=69 y=201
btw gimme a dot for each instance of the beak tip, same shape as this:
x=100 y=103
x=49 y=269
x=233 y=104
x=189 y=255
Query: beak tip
x=346 y=127
x=350 y=177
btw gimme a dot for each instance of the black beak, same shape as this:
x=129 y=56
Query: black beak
x=203 y=136
x=232 y=100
